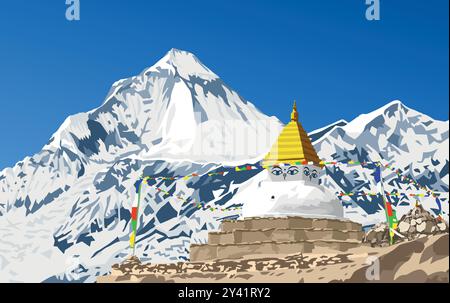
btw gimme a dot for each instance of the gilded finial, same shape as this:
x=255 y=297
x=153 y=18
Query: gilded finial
x=293 y=146
x=294 y=114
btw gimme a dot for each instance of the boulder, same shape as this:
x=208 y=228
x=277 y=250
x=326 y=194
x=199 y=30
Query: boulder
x=403 y=227
x=420 y=228
x=377 y=235
x=442 y=226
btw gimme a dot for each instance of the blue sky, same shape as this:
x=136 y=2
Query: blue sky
x=323 y=53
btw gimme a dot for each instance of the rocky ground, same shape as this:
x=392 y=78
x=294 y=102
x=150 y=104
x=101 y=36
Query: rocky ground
x=425 y=259
x=420 y=254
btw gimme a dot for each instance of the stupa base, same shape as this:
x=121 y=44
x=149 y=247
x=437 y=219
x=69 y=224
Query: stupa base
x=277 y=236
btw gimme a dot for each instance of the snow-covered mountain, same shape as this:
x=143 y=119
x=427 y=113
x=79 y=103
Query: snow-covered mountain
x=72 y=199
x=394 y=134
x=65 y=212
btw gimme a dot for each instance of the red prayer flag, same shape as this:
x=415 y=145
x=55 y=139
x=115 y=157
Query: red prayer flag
x=389 y=209
x=134 y=213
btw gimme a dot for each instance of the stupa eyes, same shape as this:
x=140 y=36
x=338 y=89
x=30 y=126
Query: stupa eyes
x=311 y=174
x=276 y=171
x=306 y=171
x=293 y=170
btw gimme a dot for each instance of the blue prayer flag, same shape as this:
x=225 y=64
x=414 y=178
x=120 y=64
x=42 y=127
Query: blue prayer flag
x=377 y=174
x=138 y=184
x=438 y=202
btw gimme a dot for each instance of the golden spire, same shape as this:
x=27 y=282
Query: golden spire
x=293 y=145
x=294 y=114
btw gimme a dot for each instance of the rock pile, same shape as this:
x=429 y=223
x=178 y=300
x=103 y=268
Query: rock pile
x=415 y=224
x=378 y=235
x=418 y=222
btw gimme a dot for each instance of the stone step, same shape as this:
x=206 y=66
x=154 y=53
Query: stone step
x=238 y=236
x=208 y=252
x=288 y=223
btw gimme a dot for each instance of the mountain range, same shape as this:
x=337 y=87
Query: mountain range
x=65 y=211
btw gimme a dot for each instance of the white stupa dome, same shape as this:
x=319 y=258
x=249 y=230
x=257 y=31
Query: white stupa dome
x=291 y=198
x=289 y=186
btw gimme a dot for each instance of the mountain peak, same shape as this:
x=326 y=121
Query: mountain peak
x=162 y=114
x=184 y=63
x=391 y=109
x=175 y=52
x=175 y=56
x=395 y=105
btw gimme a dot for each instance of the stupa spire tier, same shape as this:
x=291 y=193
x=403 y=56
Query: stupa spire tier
x=293 y=145
x=294 y=114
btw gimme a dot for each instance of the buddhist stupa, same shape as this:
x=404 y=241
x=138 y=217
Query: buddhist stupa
x=289 y=186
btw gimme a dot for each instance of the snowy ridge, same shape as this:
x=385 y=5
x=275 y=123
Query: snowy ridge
x=314 y=135
x=412 y=142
